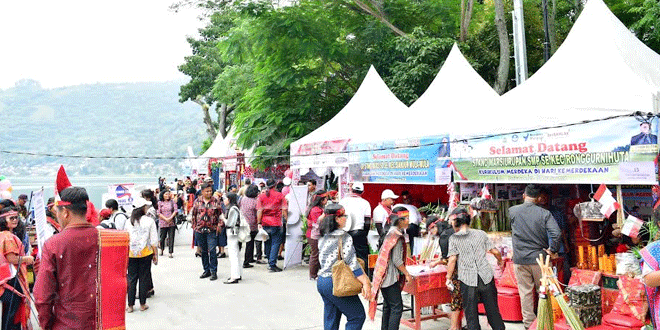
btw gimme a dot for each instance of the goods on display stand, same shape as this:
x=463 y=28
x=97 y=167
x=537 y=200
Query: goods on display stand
x=586 y=301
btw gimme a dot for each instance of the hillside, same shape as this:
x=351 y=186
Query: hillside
x=126 y=119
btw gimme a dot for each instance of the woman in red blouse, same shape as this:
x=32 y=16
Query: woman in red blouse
x=15 y=310
x=313 y=234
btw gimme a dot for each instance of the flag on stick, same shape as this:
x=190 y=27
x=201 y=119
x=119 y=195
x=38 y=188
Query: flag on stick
x=485 y=193
x=604 y=197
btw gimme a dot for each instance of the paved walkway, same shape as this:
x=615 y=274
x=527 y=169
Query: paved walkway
x=263 y=300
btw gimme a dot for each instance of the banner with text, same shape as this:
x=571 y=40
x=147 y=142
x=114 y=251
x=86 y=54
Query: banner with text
x=402 y=161
x=40 y=219
x=615 y=151
x=124 y=193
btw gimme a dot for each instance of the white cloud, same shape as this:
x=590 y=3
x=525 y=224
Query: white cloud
x=70 y=42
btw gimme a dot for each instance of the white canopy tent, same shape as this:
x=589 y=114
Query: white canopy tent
x=372 y=110
x=456 y=95
x=224 y=149
x=600 y=70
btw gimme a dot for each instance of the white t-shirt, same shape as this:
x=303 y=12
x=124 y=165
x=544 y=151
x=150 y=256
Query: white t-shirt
x=119 y=218
x=414 y=216
x=143 y=235
x=380 y=214
x=357 y=208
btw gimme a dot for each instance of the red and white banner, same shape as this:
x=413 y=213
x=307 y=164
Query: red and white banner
x=317 y=148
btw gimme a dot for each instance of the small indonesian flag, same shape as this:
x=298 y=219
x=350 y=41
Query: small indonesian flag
x=604 y=196
x=485 y=193
x=453 y=197
x=632 y=226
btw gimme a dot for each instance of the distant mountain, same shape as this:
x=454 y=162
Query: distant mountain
x=126 y=119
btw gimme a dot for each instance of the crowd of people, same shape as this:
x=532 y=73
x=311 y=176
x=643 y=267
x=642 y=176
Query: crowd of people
x=226 y=224
x=470 y=277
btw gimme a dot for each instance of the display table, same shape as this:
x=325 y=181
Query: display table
x=427 y=289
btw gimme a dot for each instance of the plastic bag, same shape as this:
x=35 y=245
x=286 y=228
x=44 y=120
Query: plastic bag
x=588 y=210
x=627 y=263
x=484 y=204
x=262 y=235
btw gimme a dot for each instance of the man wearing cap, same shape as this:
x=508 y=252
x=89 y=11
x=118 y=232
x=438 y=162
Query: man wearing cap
x=271 y=210
x=69 y=292
x=20 y=205
x=206 y=223
x=359 y=219
x=383 y=210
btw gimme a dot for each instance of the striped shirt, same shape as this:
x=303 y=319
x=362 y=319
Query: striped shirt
x=329 y=251
x=471 y=246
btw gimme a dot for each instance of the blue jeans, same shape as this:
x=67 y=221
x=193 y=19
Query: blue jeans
x=208 y=243
x=334 y=307
x=276 y=235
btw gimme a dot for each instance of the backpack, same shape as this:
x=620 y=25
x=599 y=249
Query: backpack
x=113 y=220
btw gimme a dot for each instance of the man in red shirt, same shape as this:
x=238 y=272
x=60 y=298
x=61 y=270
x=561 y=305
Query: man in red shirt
x=271 y=209
x=68 y=293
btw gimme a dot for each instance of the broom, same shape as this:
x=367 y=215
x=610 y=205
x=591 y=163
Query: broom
x=545 y=316
x=571 y=317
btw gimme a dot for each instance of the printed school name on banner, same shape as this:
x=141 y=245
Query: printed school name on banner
x=620 y=150
x=412 y=160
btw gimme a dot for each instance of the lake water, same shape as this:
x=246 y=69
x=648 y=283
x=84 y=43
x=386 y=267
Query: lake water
x=96 y=186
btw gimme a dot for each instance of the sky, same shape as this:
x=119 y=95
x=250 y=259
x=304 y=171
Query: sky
x=72 y=42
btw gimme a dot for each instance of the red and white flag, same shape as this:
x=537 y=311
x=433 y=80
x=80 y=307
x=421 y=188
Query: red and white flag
x=632 y=226
x=604 y=197
x=453 y=197
x=485 y=193
x=455 y=170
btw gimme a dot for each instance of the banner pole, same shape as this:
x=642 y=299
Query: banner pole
x=620 y=217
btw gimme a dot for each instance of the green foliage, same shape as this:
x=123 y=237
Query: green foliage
x=647 y=27
x=419 y=59
x=286 y=71
x=206 y=144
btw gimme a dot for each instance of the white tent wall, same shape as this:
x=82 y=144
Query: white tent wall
x=222 y=148
x=600 y=70
x=374 y=115
x=371 y=110
x=456 y=95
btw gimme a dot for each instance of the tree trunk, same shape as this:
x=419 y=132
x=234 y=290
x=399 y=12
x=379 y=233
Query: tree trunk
x=466 y=17
x=210 y=128
x=223 y=112
x=505 y=52
x=378 y=13
x=553 y=27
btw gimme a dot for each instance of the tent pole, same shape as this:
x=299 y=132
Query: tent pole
x=619 y=215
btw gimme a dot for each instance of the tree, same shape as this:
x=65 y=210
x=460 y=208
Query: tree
x=505 y=55
x=207 y=62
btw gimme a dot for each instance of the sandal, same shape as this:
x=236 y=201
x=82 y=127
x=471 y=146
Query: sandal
x=129 y=309
x=144 y=307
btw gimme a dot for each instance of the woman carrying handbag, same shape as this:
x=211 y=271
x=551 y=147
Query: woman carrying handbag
x=233 y=245
x=333 y=240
